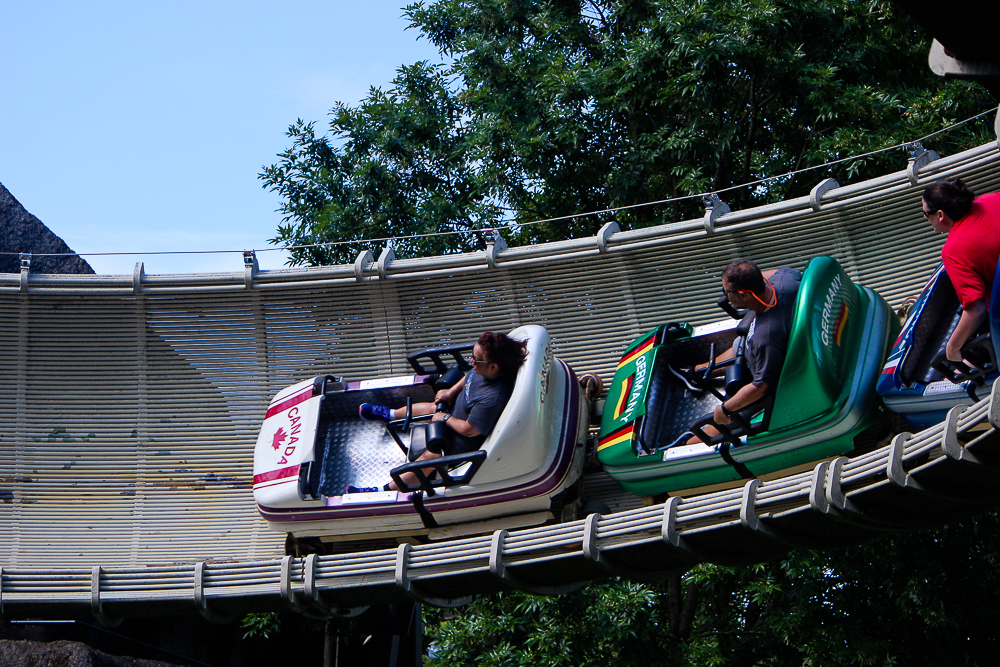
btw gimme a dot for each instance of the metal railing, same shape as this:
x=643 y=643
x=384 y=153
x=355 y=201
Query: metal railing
x=915 y=481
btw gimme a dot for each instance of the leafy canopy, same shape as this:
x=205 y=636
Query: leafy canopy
x=558 y=108
x=919 y=598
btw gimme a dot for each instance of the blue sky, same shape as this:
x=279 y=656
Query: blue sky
x=142 y=126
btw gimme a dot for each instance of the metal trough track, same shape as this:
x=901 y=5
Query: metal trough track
x=921 y=480
x=131 y=405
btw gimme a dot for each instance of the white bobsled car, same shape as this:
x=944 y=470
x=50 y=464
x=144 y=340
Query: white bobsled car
x=313 y=446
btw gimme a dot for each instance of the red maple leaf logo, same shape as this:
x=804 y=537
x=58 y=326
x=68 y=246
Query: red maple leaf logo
x=279 y=438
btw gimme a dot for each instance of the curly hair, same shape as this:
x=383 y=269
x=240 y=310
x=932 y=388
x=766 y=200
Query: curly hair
x=507 y=353
x=952 y=197
x=743 y=274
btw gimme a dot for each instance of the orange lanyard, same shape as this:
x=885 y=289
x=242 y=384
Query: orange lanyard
x=774 y=296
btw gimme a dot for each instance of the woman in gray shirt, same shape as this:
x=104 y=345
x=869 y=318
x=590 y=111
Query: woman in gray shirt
x=478 y=399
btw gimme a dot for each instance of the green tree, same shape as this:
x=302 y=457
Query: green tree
x=396 y=165
x=920 y=598
x=519 y=629
x=558 y=108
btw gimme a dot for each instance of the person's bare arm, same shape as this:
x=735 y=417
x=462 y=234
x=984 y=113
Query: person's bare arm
x=457 y=425
x=725 y=356
x=972 y=317
x=747 y=395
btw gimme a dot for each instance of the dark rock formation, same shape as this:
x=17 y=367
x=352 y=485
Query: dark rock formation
x=64 y=654
x=22 y=232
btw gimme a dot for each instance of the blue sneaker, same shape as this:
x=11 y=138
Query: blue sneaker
x=361 y=489
x=374 y=413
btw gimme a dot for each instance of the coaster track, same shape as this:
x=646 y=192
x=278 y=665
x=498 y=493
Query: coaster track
x=132 y=404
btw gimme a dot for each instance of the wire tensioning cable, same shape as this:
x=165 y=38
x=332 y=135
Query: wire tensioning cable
x=511 y=223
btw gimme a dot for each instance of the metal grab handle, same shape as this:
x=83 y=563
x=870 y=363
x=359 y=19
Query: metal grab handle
x=409 y=414
x=442 y=466
x=706 y=378
x=390 y=425
x=745 y=427
x=726 y=433
x=711 y=363
x=726 y=305
x=434 y=356
x=977 y=351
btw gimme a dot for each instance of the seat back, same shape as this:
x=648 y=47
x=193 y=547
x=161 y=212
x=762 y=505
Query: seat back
x=995 y=312
x=821 y=353
x=519 y=442
x=938 y=317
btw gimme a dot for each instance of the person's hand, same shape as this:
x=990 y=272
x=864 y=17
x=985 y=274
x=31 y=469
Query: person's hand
x=719 y=417
x=953 y=353
x=443 y=396
x=438 y=416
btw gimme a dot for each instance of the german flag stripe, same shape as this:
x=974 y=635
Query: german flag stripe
x=623 y=398
x=841 y=322
x=641 y=349
x=620 y=435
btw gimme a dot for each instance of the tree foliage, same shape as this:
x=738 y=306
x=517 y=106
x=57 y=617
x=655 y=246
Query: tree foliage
x=559 y=108
x=921 y=598
x=400 y=168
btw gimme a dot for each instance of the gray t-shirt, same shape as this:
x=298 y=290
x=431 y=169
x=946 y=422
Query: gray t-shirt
x=767 y=341
x=481 y=403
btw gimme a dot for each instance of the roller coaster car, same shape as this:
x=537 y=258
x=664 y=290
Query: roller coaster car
x=918 y=381
x=313 y=445
x=825 y=395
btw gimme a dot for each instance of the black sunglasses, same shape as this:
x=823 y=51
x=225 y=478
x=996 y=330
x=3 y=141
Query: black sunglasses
x=928 y=214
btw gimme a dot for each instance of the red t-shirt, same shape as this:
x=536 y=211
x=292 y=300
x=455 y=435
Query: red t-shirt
x=970 y=254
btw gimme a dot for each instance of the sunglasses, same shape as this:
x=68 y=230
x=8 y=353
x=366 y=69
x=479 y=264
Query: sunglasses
x=928 y=214
x=473 y=359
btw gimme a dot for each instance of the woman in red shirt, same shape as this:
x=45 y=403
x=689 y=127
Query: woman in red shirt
x=969 y=254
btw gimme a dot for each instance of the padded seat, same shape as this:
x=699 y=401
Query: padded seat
x=937 y=322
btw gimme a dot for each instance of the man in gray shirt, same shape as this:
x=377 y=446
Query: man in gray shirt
x=771 y=296
x=767 y=341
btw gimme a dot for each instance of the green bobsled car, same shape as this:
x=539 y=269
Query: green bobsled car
x=825 y=398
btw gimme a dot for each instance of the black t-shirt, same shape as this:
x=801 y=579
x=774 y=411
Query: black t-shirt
x=481 y=403
x=767 y=341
